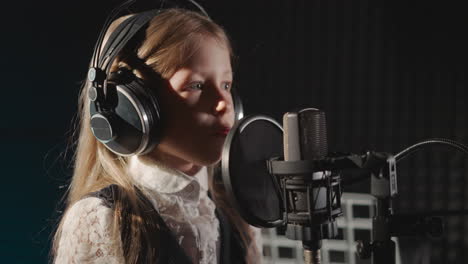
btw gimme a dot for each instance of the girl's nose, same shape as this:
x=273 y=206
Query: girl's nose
x=221 y=107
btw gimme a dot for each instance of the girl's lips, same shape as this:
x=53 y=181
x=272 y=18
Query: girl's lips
x=223 y=131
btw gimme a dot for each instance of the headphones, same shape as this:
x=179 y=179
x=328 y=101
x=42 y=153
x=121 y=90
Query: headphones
x=125 y=113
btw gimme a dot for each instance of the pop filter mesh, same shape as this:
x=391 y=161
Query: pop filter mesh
x=253 y=141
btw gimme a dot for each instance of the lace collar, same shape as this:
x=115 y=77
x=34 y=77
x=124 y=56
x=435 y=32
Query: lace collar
x=156 y=177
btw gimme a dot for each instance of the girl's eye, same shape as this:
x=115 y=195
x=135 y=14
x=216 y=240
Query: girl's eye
x=227 y=86
x=195 y=86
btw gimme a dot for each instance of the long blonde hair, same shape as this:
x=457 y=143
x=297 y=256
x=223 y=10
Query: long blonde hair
x=171 y=38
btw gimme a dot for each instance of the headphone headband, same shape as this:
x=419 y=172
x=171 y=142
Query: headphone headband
x=122 y=35
x=110 y=18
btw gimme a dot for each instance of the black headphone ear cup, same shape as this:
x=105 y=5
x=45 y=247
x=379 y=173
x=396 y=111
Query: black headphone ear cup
x=103 y=127
x=150 y=112
x=135 y=120
x=121 y=76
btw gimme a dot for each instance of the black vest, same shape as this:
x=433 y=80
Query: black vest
x=232 y=249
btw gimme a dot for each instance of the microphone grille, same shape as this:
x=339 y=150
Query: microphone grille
x=313 y=134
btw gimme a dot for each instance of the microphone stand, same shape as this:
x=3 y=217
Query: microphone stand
x=321 y=224
x=381 y=167
x=383 y=187
x=310 y=224
x=386 y=224
x=311 y=202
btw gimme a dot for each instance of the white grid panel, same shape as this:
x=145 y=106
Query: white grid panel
x=277 y=249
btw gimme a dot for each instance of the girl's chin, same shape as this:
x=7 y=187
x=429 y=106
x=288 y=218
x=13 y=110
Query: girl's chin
x=208 y=161
x=209 y=158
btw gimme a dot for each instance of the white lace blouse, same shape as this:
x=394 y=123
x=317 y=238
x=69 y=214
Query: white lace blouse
x=182 y=201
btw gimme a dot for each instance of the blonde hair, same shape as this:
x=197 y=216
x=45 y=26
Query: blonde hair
x=171 y=38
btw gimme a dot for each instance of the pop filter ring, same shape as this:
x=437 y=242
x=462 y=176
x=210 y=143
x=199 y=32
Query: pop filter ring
x=226 y=175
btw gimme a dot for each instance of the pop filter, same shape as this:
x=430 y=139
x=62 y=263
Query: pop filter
x=249 y=185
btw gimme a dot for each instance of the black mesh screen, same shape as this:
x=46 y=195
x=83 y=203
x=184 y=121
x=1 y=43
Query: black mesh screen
x=252 y=185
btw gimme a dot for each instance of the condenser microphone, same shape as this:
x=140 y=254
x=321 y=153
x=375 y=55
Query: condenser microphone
x=305 y=138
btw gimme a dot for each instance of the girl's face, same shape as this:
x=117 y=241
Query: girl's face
x=198 y=107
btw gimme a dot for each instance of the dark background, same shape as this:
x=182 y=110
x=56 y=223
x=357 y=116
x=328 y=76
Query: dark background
x=387 y=73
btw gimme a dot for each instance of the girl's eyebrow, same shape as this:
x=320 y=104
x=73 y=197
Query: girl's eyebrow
x=204 y=73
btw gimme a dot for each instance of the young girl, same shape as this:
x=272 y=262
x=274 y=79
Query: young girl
x=130 y=209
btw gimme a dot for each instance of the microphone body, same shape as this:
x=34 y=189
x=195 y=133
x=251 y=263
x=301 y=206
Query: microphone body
x=307 y=196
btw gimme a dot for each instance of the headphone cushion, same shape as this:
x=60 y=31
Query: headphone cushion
x=136 y=119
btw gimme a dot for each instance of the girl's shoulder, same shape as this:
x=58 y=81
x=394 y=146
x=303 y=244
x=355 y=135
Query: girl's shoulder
x=87 y=234
x=88 y=211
